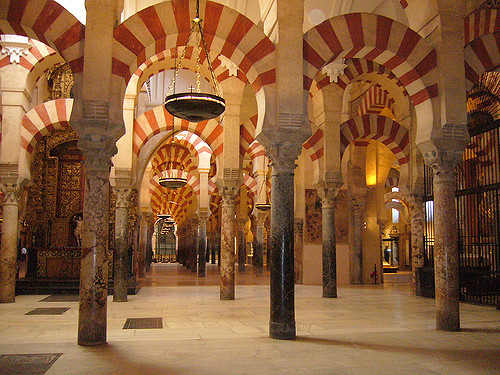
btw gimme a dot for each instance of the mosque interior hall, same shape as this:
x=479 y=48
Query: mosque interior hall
x=250 y=187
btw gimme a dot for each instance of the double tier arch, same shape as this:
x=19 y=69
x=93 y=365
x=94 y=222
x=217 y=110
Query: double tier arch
x=386 y=42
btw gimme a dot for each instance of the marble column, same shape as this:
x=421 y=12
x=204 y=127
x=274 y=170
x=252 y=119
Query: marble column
x=8 y=252
x=141 y=254
x=417 y=242
x=446 y=256
x=227 y=249
x=94 y=263
x=120 y=285
x=298 y=244
x=242 y=250
x=202 y=245
x=258 y=251
x=282 y=317
x=356 y=216
x=329 y=204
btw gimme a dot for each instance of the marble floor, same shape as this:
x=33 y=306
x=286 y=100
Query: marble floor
x=370 y=329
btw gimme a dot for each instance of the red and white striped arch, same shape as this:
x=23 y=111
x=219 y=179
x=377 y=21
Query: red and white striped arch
x=379 y=128
x=247 y=134
x=184 y=197
x=166 y=60
x=193 y=143
x=256 y=149
x=48 y=22
x=158 y=120
x=167 y=24
x=375 y=100
x=482 y=44
x=38 y=59
x=314 y=148
x=251 y=185
x=354 y=70
x=43 y=119
x=178 y=157
x=375 y=38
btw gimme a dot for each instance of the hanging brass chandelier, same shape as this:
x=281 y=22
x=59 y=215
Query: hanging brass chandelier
x=195 y=106
x=170 y=179
x=263 y=206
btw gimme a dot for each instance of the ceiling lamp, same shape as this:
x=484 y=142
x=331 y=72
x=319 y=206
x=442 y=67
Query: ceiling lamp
x=171 y=180
x=263 y=206
x=195 y=106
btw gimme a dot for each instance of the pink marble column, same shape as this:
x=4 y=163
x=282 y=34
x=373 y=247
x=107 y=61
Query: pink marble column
x=229 y=195
x=356 y=216
x=446 y=257
x=120 y=285
x=8 y=252
x=94 y=263
x=329 y=204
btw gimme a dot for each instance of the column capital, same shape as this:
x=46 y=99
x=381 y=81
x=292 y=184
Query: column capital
x=283 y=156
x=98 y=151
x=443 y=163
x=203 y=217
x=122 y=196
x=229 y=192
x=357 y=202
x=9 y=174
x=260 y=216
x=329 y=196
x=15 y=46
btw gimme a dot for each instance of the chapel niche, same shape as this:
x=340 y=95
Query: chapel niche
x=55 y=198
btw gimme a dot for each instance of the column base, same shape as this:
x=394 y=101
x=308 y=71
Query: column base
x=92 y=340
x=99 y=343
x=329 y=294
x=282 y=331
x=226 y=295
x=447 y=323
x=118 y=299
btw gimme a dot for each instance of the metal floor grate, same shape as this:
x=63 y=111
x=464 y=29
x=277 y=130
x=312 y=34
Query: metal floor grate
x=27 y=364
x=48 y=311
x=143 y=323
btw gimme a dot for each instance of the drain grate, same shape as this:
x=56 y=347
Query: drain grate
x=143 y=323
x=61 y=298
x=48 y=311
x=27 y=364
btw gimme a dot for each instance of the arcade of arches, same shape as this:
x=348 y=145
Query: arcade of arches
x=371 y=128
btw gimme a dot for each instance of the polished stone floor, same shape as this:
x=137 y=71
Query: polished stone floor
x=370 y=329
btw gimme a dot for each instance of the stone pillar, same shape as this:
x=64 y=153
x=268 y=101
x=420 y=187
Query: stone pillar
x=417 y=242
x=282 y=317
x=446 y=257
x=242 y=246
x=8 y=250
x=298 y=244
x=356 y=215
x=141 y=253
x=94 y=263
x=202 y=245
x=329 y=204
x=120 y=285
x=258 y=251
x=227 y=250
